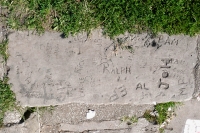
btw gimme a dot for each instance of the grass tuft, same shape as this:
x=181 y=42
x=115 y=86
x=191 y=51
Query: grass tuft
x=162 y=111
x=129 y=120
x=3 y=50
x=7 y=99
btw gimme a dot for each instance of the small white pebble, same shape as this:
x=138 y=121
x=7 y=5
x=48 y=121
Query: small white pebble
x=90 y=114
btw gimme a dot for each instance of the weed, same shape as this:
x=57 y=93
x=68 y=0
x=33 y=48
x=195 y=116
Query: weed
x=129 y=120
x=3 y=50
x=151 y=118
x=162 y=109
x=163 y=113
x=161 y=130
x=7 y=99
x=120 y=43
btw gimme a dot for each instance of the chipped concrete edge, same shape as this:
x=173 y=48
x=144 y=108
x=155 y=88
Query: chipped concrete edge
x=196 y=69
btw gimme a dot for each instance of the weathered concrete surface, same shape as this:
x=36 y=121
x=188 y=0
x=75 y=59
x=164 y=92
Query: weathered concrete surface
x=197 y=70
x=31 y=125
x=137 y=69
x=189 y=110
x=192 y=126
x=72 y=115
x=12 y=117
x=142 y=126
x=117 y=126
x=76 y=113
x=85 y=126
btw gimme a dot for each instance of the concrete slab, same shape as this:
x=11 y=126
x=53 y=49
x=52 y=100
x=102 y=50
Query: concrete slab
x=189 y=110
x=192 y=126
x=85 y=126
x=100 y=127
x=136 y=69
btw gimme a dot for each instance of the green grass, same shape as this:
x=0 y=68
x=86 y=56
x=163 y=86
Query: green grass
x=149 y=117
x=7 y=99
x=162 y=109
x=114 y=16
x=163 y=113
x=3 y=50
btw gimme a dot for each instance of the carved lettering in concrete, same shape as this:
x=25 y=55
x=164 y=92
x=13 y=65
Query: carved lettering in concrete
x=50 y=70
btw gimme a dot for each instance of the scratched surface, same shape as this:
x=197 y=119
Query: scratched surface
x=137 y=69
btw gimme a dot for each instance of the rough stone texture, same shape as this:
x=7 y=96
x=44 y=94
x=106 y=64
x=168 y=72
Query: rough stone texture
x=76 y=113
x=142 y=126
x=31 y=125
x=136 y=69
x=12 y=117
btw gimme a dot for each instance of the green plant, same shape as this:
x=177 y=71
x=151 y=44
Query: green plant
x=120 y=43
x=7 y=98
x=114 y=16
x=149 y=117
x=161 y=130
x=162 y=109
x=3 y=50
x=129 y=120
